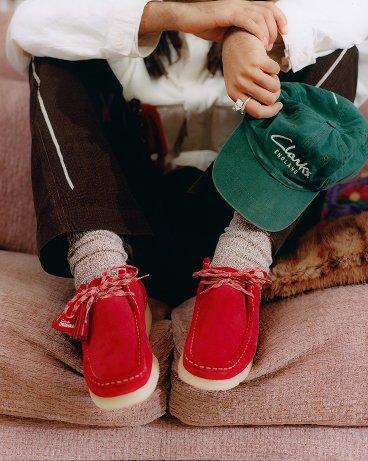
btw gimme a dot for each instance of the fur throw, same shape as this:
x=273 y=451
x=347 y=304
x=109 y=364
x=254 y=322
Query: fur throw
x=330 y=254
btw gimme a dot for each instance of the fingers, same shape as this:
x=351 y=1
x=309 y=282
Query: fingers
x=278 y=15
x=262 y=19
x=253 y=82
x=280 y=18
x=270 y=66
x=260 y=94
x=263 y=103
x=258 y=29
x=269 y=14
x=257 y=110
x=268 y=82
x=271 y=26
x=264 y=90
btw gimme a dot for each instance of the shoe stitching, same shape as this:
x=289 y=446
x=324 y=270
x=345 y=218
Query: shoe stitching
x=132 y=378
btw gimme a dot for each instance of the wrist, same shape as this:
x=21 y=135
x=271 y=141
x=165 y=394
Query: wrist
x=235 y=35
x=157 y=16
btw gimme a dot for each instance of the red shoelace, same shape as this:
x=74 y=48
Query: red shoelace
x=73 y=320
x=216 y=277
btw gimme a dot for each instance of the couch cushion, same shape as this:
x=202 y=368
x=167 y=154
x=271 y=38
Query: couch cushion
x=166 y=439
x=41 y=373
x=311 y=366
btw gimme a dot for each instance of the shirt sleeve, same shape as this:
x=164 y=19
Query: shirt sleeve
x=319 y=27
x=77 y=30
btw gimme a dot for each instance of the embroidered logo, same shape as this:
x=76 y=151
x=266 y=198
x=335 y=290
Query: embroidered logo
x=288 y=155
x=66 y=324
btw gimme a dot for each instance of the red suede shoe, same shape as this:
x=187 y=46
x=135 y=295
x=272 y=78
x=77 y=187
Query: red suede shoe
x=111 y=317
x=223 y=335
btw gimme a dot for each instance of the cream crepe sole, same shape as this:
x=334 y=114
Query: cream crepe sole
x=211 y=384
x=138 y=396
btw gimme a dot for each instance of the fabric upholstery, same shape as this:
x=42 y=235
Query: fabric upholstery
x=6 y=71
x=168 y=439
x=310 y=368
x=41 y=369
x=17 y=217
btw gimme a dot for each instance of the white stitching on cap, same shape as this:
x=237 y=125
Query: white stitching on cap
x=335 y=98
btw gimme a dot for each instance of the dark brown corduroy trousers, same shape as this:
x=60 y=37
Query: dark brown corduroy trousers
x=91 y=170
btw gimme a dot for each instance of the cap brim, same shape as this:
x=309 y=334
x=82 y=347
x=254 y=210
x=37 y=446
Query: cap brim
x=248 y=188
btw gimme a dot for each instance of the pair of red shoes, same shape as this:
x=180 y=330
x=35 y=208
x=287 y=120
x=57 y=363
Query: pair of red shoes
x=111 y=317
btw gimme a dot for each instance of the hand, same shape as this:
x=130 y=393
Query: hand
x=210 y=20
x=248 y=71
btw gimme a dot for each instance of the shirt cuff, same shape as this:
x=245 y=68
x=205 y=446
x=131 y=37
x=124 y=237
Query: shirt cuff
x=123 y=37
x=147 y=44
x=300 y=40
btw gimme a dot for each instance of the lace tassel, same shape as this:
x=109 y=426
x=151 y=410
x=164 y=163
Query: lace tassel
x=76 y=324
x=74 y=319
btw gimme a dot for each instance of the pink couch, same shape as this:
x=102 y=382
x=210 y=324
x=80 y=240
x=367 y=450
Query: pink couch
x=165 y=438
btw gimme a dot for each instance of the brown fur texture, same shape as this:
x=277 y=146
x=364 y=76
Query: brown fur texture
x=330 y=254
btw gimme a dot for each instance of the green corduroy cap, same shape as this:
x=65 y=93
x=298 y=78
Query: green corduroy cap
x=270 y=170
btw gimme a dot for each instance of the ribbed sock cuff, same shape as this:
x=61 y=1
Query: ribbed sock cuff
x=92 y=253
x=243 y=246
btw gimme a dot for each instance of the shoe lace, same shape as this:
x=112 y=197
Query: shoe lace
x=215 y=277
x=73 y=320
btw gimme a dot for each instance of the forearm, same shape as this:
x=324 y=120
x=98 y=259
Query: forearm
x=74 y=30
x=158 y=16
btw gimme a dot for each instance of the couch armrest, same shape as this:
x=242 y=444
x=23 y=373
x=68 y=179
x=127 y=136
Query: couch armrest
x=6 y=70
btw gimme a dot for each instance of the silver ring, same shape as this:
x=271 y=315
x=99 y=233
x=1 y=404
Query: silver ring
x=240 y=105
x=244 y=108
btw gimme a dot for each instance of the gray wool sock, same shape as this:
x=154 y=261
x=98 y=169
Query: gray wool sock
x=243 y=246
x=94 y=252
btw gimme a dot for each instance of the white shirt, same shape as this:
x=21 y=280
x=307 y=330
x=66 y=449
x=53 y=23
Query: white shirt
x=319 y=27
x=76 y=30
x=189 y=93
x=108 y=29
